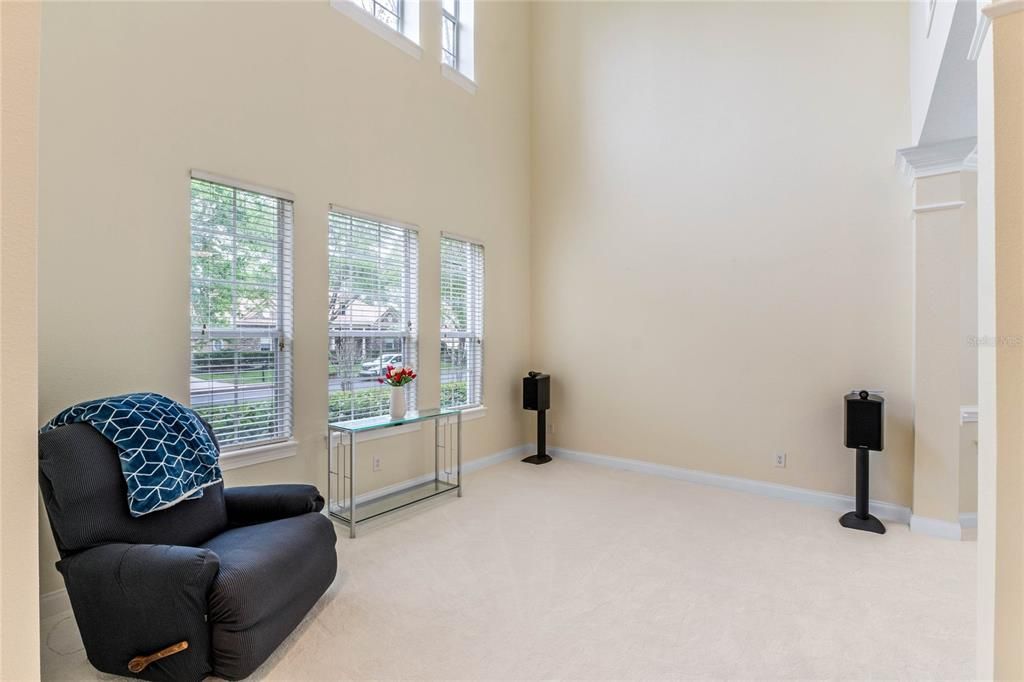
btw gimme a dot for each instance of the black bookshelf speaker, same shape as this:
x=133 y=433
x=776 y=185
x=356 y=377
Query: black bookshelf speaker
x=865 y=417
x=537 y=392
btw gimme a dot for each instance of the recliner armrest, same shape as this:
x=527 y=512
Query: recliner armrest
x=132 y=600
x=248 y=505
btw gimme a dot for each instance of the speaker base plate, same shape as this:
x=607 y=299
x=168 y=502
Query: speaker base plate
x=870 y=524
x=537 y=459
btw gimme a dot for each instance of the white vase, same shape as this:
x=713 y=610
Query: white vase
x=397 y=402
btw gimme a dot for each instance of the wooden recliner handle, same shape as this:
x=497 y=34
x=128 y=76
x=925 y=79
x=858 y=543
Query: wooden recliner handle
x=139 y=663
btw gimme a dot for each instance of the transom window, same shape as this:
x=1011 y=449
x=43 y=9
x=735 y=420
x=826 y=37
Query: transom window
x=450 y=32
x=457 y=58
x=462 y=322
x=372 y=298
x=397 y=21
x=241 y=311
x=388 y=12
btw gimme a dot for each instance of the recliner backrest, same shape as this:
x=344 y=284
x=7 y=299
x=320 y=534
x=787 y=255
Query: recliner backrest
x=86 y=498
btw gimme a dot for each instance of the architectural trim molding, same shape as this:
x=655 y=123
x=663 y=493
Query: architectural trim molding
x=838 y=503
x=969 y=520
x=459 y=78
x=1001 y=8
x=935 y=527
x=980 y=33
x=941 y=206
x=936 y=159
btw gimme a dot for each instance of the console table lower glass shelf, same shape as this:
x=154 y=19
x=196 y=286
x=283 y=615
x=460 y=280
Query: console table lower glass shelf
x=342 y=501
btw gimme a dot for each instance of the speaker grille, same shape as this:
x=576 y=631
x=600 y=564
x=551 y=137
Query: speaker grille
x=864 y=423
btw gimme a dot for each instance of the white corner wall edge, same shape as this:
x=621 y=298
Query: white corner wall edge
x=936 y=527
x=57 y=602
x=833 y=501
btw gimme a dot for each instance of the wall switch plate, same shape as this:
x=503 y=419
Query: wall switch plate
x=780 y=459
x=376 y=463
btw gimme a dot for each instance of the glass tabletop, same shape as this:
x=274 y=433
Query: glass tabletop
x=385 y=421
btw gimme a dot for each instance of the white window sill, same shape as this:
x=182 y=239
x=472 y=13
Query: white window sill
x=361 y=16
x=474 y=413
x=235 y=459
x=459 y=78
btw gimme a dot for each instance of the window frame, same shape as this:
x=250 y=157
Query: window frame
x=454 y=19
x=478 y=334
x=283 y=333
x=463 y=73
x=405 y=38
x=411 y=300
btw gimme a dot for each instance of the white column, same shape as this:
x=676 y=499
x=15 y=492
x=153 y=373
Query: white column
x=1001 y=233
x=939 y=208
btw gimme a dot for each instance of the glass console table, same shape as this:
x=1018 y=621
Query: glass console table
x=342 y=502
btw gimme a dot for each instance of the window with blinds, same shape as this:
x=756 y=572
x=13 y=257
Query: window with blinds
x=462 y=322
x=241 y=305
x=373 y=272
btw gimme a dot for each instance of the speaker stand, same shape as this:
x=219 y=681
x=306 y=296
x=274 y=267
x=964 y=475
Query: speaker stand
x=542 y=456
x=861 y=519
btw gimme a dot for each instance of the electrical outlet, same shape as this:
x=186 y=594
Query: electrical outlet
x=376 y=463
x=780 y=459
x=551 y=428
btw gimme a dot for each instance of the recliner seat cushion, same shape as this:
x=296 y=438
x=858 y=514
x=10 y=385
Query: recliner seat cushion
x=86 y=498
x=271 y=574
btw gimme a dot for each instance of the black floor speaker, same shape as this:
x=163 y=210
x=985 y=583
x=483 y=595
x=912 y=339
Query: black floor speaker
x=537 y=397
x=864 y=427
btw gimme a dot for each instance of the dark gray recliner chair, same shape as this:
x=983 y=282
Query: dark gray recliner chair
x=231 y=573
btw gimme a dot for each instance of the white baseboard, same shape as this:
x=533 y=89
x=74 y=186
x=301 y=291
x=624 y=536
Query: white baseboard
x=54 y=603
x=467 y=467
x=839 y=503
x=936 y=527
x=57 y=602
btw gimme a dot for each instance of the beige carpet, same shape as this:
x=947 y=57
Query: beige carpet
x=574 y=571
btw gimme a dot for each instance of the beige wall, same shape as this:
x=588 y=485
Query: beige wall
x=1006 y=539
x=721 y=245
x=19 y=568
x=294 y=96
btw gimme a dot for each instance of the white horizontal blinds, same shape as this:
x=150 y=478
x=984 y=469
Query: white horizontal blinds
x=462 y=322
x=241 y=370
x=373 y=272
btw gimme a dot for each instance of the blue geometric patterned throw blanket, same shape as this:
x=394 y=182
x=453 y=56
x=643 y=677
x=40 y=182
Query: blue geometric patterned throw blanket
x=166 y=453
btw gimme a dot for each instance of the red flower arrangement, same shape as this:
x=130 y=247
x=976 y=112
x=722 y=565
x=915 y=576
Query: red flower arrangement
x=397 y=376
